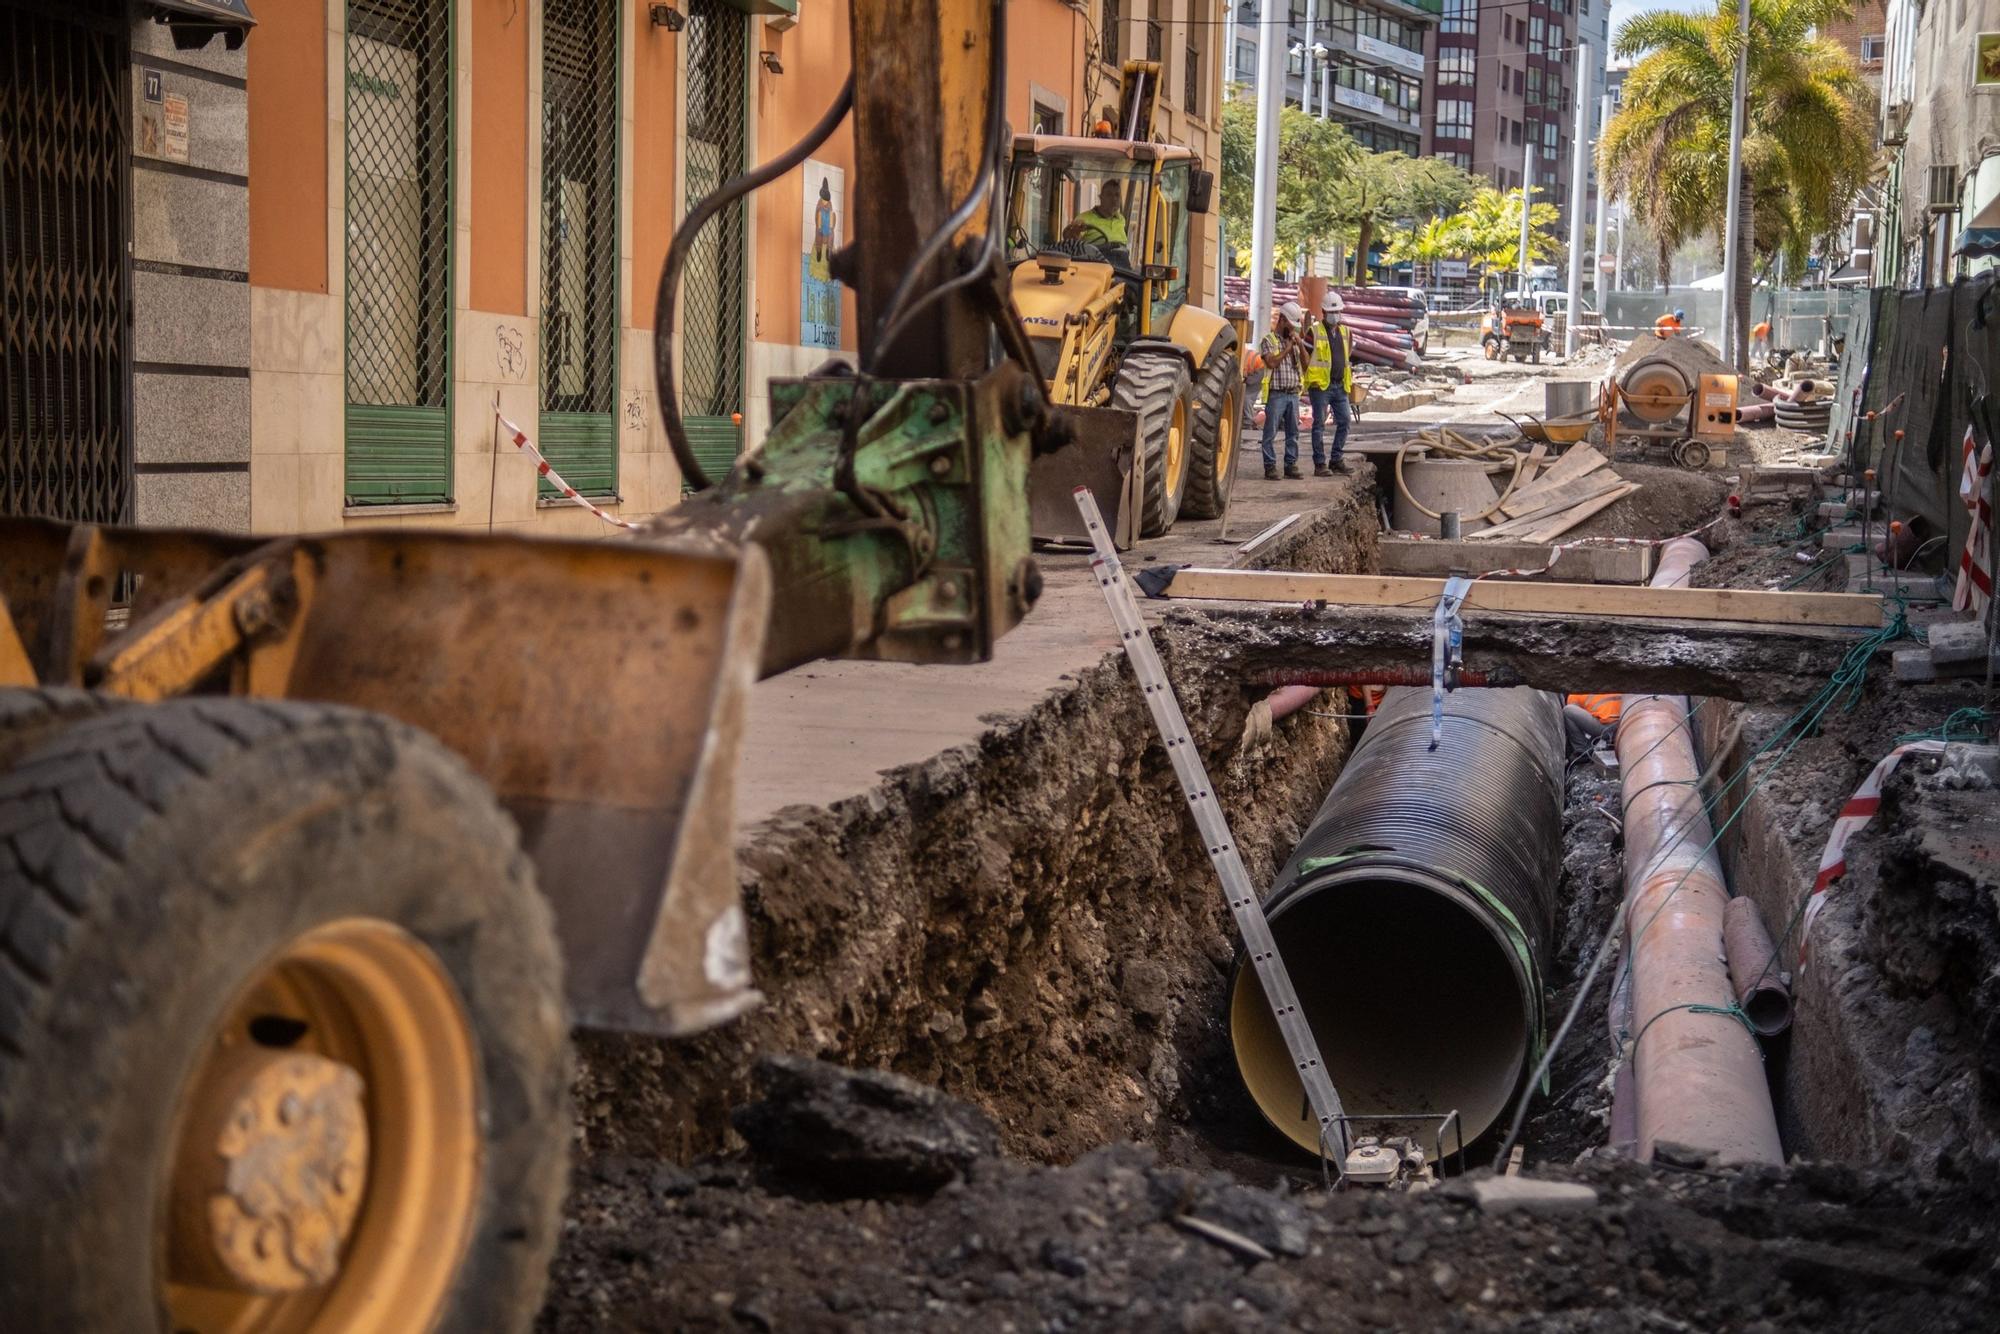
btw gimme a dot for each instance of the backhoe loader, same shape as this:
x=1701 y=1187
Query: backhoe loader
x=313 y=848
x=1104 y=298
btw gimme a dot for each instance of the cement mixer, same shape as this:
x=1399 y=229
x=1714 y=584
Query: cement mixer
x=1673 y=395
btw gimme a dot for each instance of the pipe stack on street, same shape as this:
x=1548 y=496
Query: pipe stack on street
x=1382 y=325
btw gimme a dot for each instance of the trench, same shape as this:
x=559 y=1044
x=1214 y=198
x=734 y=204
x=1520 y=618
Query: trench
x=1025 y=924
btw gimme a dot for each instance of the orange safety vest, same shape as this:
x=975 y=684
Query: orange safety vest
x=1604 y=708
x=1666 y=326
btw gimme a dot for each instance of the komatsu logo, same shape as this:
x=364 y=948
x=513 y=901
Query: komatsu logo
x=1041 y=319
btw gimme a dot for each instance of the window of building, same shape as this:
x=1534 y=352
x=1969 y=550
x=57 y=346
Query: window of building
x=1459 y=16
x=1454 y=118
x=1295 y=62
x=1507 y=26
x=1155 y=39
x=1520 y=82
x=1194 y=68
x=398 y=251
x=1246 y=61
x=1873 y=49
x=1298 y=13
x=1534 y=89
x=1048 y=119
x=1110 y=17
x=1514 y=131
x=579 y=368
x=1556 y=32
x=1455 y=64
x=1536 y=31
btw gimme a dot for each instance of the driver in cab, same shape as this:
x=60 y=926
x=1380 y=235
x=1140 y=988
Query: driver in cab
x=1103 y=225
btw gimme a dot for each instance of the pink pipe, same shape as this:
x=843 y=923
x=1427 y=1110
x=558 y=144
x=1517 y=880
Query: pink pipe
x=1288 y=700
x=1698 y=1075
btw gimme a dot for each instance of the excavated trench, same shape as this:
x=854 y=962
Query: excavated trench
x=1025 y=924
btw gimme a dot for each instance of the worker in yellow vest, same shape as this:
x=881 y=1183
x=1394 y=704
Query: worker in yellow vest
x=1329 y=383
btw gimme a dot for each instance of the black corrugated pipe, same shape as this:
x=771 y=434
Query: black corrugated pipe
x=1415 y=913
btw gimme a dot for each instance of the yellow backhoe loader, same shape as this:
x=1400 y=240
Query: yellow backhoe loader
x=312 y=848
x=1097 y=235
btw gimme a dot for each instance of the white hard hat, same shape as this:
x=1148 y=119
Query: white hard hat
x=1333 y=302
x=1291 y=311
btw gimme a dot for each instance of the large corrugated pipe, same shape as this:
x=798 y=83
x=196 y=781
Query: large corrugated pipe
x=1415 y=914
x=1698 y=1077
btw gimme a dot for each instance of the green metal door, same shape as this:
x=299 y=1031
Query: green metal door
x=713 y=291
x=579 y=363
x=398 y=251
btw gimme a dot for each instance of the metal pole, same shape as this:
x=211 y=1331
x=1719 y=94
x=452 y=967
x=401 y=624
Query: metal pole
x=1597 y=284
x=1732 y=219
x=1527 y=204
x=1578 y=148
x=1228 y=52
x=1264 y=184
x=1306 y=59
x=1618 y=272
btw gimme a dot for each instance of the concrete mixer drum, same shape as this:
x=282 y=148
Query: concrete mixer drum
x=1656 y=393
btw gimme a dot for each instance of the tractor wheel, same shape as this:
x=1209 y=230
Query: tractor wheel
x=1491 y=347
x=1217 y=433
x=1536 y=355
x=282 y=1043
x=30 y=717
x=1158 y=389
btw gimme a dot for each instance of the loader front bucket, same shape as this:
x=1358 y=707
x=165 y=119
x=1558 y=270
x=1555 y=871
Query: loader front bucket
x=1103 y=455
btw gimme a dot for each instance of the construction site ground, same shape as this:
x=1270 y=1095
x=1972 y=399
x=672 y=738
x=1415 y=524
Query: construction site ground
x=983 y=880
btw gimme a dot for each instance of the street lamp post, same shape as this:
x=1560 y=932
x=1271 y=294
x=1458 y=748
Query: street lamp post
x=1264 y=182
x=1579 y=146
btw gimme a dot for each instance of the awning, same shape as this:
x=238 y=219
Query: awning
x=1977 y=242
x=194 y=22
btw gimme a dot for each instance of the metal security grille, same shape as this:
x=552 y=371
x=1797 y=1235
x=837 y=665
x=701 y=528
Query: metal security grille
x=712 y=285
x=399 y=128
x=1112 y=16
x=65 y=450
x=580 y=243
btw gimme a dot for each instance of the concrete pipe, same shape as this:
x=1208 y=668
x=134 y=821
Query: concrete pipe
x=1762 y=990
x=1698 y=1076
x=1414 y=916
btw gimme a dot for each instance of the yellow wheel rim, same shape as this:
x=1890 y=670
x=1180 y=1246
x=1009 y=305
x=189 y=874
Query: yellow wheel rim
x=1177 y=449
x=1226 y=432
x=327 y=1167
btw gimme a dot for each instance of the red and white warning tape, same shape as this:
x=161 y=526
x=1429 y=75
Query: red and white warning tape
x=1853 y=818
x=542 y=469
x=1975 y=568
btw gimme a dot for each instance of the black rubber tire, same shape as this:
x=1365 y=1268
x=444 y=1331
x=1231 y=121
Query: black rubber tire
x=149 y=860
x=1491 y=347
x=31 y=716
x=1218 y=393
x=1152 y=386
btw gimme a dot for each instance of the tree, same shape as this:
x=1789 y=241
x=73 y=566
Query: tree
x=1379 y=190
x=1310 y=152
x=1808 y=144
x=1489 y=229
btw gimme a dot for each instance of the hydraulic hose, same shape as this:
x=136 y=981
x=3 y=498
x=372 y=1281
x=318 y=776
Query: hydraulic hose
x=1414 y=916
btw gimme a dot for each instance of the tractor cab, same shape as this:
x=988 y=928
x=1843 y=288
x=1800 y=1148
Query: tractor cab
x=1090 y=217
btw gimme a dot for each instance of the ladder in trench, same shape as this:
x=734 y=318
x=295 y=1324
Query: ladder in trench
x=1251 y=924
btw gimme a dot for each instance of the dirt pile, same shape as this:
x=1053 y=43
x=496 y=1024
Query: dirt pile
x=1118 y=1240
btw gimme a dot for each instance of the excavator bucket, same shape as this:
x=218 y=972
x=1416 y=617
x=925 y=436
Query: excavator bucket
x=1103 y=455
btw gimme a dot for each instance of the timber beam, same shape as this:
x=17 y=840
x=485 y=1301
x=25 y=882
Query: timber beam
x=1765 y=664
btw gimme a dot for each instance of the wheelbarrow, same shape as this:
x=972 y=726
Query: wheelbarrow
x=1552 y=430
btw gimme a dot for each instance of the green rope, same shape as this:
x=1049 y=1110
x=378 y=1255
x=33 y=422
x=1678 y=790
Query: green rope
x=1972 y=718
x=1733 y=1010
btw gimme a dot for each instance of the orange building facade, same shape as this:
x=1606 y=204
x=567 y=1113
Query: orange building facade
x=458 y=211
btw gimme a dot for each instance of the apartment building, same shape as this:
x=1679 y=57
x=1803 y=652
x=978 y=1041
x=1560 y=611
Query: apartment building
x=1940 y=81
x=1503 y=88
x=332 y=242
x=1359 y=62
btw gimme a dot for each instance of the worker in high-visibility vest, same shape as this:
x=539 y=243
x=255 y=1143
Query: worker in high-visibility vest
x=1670 y=324
x=1760 y=340
x=1588 y=719
x=1329 y=383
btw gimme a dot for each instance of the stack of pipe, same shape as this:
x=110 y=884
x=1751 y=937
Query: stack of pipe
x=1697 y=1075
x=1382 y=325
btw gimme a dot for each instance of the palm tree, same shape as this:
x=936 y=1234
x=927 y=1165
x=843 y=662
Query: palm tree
x=1808 y=131
x=1489 y=229
x=1424 y=245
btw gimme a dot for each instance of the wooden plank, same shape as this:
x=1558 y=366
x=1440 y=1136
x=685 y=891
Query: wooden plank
x=1538 y=497
x=1437 y=556
x=1751 y=606
x=1536 y=458
x=1562 y=498
x=1579 y=461
x=1570 y=518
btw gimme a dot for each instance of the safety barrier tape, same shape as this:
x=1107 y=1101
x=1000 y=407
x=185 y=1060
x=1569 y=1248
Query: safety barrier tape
x=1975 y=490
x=1854 y=817
x=542 y=469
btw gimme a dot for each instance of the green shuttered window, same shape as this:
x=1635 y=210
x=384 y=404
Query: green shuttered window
x=579 y=363
x=398 y=251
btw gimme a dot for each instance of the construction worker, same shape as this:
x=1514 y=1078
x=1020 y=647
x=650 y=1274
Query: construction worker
x=1668 y=325
x=1588 y=719
x=1329 y=385
x=1760 y=340
x=1283 y=351
x=1103 y=225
